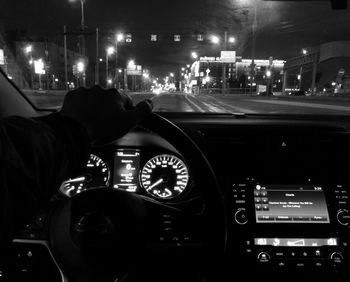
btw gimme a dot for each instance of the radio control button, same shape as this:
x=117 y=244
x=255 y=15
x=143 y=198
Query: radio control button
x=300 y=265
x=281 y=264
x=337 y=259
x=343 y=217
x=241 y=217
x=318 y=264
x=279 y=254
x=263 y=257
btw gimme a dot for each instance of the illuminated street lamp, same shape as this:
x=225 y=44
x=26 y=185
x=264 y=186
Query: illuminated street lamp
x=268 y=74
x=28 y=49
x=80 y=67
x=131 y=64
x=120 y=37
x=183 y=69
x=109 y=51
x=232 y=40
x=172 y=74
x=188 y=66
x=304 y=51
x=194 y=55
x=215 y=39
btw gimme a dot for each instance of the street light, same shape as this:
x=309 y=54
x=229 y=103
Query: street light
x=232 y=40
x=215 y=39
x=81 y=67
x=268 y=74
x=109 y=51
x=120 y=37
x=304 y=51
x=131 y=64
x=172 y=74
x=194 y=55
x=28 y=49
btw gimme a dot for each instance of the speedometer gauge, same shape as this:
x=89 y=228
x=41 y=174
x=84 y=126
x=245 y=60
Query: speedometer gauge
x=164 y=176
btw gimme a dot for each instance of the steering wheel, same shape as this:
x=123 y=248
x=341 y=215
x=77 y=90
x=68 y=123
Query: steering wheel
x=95 y=236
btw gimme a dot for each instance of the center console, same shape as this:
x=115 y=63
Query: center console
x=292 y=228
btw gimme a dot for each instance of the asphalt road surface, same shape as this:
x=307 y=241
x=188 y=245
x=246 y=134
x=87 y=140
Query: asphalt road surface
x=181 y=102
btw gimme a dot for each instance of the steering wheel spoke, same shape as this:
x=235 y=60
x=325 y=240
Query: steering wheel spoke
x=172 y=225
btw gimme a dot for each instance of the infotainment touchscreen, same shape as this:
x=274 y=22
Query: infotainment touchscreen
x=290 y=204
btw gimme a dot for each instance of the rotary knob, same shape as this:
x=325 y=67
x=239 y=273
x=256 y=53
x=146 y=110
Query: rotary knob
x=241 y=217
x=343 y=217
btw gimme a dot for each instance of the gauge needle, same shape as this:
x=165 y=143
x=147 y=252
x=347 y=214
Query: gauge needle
x=155 y=184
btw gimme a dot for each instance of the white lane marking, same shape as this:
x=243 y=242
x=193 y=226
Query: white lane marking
x=194 y=105
x=301 y=104
x=234 y=109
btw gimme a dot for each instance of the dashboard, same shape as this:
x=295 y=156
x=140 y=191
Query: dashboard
x=285 y=182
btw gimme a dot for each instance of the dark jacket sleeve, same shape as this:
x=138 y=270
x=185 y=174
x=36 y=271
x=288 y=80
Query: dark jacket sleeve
x=36 y=155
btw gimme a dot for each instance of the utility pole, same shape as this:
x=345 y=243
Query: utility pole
x=47 y=64
x=65 y=57
x=106 y=69
x=252 y=68
x=82 y=27
x=97 y=69
x=224 y=68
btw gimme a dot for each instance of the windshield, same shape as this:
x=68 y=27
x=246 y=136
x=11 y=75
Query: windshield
x=227 y=56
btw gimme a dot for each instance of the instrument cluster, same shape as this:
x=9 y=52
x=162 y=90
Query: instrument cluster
x=162 y=176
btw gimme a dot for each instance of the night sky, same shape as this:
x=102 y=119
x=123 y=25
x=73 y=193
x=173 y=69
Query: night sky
x=283 y=27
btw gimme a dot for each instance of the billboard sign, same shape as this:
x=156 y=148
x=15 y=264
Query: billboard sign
x=134 y=69
x=228 y=56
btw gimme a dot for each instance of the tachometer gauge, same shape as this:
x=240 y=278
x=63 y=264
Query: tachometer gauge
x=97 y=174
x=164 y=176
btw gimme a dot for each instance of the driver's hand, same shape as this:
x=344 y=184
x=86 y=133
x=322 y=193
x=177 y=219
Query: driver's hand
x=106 y=114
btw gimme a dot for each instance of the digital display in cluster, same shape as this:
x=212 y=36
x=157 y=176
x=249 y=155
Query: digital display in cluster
x=126 y=170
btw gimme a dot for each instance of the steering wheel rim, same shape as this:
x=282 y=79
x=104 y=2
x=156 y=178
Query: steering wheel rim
x=204 y=177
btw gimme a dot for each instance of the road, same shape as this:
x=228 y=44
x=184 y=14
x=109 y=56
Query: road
x=181 y=102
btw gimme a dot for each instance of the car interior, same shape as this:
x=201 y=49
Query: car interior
x=252 y=196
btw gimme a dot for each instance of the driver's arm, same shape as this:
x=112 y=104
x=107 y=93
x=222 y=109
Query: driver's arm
x=37 y=154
